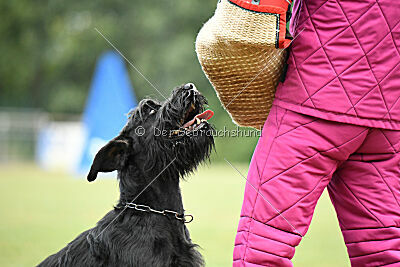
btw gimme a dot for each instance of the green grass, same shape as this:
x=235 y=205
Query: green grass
x=40 y=212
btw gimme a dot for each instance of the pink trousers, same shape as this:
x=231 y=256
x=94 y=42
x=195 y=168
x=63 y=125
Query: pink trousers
x=296 y=158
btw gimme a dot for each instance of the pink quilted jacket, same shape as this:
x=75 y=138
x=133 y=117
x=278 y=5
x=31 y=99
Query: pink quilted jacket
x=345 y=64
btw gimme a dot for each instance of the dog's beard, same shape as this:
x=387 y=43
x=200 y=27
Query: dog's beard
x=189 y=132
x=192 y=149
x=179 y=133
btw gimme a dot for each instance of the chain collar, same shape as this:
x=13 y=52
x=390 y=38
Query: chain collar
x=185 y=218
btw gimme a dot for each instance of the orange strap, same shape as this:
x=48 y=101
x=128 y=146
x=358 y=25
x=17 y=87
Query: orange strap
x=279 y=7
x=264 y=6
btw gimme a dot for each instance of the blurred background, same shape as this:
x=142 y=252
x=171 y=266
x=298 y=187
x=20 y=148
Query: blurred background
x=62 y=84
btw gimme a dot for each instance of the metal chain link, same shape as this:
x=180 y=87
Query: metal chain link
x=185 y=218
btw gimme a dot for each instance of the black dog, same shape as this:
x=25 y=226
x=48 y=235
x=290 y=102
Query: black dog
x=160 y=143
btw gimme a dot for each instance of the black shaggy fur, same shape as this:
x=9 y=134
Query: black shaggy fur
x=137 y=238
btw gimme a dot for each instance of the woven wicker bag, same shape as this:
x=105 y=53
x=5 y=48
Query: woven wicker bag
x=241 y=51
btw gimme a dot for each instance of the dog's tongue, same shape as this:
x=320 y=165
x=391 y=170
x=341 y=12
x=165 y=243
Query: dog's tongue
x=206 y=115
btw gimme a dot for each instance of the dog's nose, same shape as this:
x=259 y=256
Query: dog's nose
x=189 y=86
x=192 y=87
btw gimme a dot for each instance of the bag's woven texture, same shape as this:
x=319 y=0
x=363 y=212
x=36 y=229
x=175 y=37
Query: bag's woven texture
x=236 y=49
x=345 y=64
x=235 y=24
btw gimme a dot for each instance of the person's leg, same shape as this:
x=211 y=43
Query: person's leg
x=291 y=165
x=365 y=191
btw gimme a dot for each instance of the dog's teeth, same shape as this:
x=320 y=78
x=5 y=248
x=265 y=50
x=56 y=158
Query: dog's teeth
x=198 y=121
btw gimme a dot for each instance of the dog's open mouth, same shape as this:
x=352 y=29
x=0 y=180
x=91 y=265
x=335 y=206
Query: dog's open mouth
x=193 y=119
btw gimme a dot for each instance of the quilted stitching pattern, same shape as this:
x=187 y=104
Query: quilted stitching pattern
x=295 y=159
x=346 y=61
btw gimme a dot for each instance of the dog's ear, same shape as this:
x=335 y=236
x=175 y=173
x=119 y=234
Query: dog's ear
x=109 y=158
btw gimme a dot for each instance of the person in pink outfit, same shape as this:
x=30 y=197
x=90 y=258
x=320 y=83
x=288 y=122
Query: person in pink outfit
x=335 y=124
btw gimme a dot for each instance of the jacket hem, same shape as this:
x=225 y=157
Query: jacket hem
x=338 y=117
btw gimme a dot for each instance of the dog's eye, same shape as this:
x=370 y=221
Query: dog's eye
x=152 y=112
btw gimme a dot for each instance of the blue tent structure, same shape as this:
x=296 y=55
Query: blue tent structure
x=110 y=98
